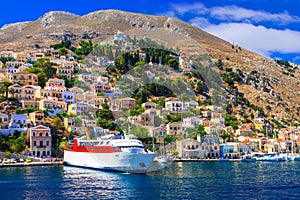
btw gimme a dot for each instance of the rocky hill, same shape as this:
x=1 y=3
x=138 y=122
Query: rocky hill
x=261 y=82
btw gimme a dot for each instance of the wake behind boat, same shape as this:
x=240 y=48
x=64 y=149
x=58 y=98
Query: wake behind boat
x=114 y=153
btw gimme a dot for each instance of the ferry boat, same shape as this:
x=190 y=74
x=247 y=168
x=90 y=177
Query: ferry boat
x=113 y=153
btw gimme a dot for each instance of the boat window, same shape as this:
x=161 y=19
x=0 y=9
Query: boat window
x=107 y=142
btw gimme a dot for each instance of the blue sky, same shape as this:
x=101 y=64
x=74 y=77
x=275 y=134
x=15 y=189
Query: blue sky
x=269 y=27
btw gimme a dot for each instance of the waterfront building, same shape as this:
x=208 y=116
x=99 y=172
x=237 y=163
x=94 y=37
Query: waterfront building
x=209 y=146
x=188 y=148
x=228 y=150
x=40 y=141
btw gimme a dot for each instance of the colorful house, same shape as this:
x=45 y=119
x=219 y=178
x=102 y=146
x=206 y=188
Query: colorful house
x=40 y=141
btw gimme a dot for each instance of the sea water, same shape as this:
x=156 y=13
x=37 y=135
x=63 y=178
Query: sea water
x=196 y=180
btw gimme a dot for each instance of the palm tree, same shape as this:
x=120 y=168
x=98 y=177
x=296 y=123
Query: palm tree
x=5 y=88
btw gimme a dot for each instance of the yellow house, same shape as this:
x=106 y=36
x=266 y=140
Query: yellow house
x=37 y=117
x=69 y=123
x=174 y=128
x=30 y=104
x=258 y=125
x=51 y=105
x=78 y=108
x=25 y=78
x=72 y=109
x=21 y=57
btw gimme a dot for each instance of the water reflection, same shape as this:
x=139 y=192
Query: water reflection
x=224 y=180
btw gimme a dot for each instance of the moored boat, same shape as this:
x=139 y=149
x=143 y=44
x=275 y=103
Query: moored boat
x=271 y=158
x=114 y=153
x=248 y=158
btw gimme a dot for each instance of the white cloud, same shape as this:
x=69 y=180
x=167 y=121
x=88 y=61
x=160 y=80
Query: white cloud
x=200 y=22
x=237 y=26
x=258 y=38
x=234 y=13
x=168 y=14
x=196 y=8
x=296 y=59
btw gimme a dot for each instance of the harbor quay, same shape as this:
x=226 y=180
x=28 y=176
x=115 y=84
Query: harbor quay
x=31 y=164
x=207 y=160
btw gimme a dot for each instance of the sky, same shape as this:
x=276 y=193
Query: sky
x=268 y=27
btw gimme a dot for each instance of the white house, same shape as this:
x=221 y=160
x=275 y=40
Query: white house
x=191 y=103
x=174 y=106
x=191 y=122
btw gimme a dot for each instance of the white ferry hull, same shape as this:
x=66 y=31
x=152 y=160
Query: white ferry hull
x=117 y=161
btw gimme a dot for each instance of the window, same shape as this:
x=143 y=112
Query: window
x=41 y=144
x=34 y=143
x=46 y=134
x=33 y=134
x=40 y=134
x=47 y=143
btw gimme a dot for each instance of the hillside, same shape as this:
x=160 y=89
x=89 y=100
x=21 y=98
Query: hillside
x=262 y=82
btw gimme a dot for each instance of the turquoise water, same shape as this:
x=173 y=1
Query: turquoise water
x=202 y=180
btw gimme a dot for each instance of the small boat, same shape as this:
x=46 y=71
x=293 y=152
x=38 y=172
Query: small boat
x=271 y=158
x=296 y=158
x=165 y=158
x=248 y=158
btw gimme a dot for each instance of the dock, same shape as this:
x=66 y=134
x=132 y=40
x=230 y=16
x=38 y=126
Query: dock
x=31 y=164
x=207 y=160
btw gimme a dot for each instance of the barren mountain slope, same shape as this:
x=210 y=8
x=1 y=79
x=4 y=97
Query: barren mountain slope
x=272 y=88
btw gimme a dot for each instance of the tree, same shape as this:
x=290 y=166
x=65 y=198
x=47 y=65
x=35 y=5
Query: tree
x=5 y=87
x=169 y=139
x=201 y=130
x=139 y=131
x=63 y=51
x=18 y=111
x=7 y=154
x=105 y=113
x=136 y=112
x=18 y=145
x=225 y=136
